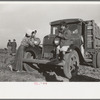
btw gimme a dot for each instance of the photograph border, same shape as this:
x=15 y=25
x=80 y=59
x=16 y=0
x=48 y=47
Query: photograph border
x=10 y=86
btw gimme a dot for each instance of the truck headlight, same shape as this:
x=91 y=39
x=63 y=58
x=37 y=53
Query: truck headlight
x=37 y=41
x=56 y=41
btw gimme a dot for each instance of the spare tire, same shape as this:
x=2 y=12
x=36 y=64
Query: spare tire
x=30 y=54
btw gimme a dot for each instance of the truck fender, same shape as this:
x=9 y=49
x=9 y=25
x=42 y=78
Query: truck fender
x=37 y=51
x=81 y=58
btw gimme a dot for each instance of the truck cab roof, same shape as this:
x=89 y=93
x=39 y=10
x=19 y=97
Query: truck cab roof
x=66 y=20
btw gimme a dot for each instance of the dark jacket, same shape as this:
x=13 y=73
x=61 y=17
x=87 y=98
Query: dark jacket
x=65 y=37
x=9 y=44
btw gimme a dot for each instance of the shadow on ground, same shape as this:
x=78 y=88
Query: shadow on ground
x=78 y=78
x=82 y=78
x=55 y=74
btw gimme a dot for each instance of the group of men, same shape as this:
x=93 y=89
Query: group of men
x=28 y=40
x=11 y=47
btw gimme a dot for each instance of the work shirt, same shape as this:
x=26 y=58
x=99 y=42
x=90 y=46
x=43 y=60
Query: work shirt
x=32 y=39
x=65 y=37
x=25 y=41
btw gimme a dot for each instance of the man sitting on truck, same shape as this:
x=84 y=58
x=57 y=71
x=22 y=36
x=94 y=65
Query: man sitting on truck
x=64 y=35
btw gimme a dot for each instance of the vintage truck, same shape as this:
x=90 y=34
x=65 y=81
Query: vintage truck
x=85 y=48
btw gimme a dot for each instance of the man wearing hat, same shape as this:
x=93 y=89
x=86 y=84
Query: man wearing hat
x=64 y=35
x=14 y=45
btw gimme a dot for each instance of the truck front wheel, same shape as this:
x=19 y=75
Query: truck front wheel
x=28 y=66
x=71 y=64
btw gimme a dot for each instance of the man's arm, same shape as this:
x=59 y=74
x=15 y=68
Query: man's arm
x=67 y=34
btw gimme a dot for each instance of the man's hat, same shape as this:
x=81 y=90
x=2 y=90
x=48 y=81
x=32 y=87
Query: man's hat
x=30 y=31
x=35 y=31
x=14 y=40
x=27 y=35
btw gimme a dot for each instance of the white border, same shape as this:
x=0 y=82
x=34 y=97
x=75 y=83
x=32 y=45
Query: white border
x=51 y=2
x=56 y=90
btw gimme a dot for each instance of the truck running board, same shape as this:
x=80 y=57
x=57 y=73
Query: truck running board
x=37 y=61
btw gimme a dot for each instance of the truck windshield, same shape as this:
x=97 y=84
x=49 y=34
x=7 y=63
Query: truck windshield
x=74 y=28
x=55 y=30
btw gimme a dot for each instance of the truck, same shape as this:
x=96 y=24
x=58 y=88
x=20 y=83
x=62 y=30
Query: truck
x=85 y=48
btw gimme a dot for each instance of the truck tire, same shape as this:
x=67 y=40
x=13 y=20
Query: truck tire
x=27 y=66
x=98 y=60
x=71 y=64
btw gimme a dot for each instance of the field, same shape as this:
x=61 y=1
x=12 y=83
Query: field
x=85 y=74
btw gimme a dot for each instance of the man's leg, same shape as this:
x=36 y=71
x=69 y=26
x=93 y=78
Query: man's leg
x=64 y=50
x=57 y=52
x=8 y=51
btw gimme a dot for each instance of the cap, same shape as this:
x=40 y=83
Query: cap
x=27 y=35
x=14 y=40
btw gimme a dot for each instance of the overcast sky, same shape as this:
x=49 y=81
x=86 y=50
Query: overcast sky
x=18 y=18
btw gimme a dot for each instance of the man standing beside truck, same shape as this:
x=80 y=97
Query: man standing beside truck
x=26 y=42
x=9 y=46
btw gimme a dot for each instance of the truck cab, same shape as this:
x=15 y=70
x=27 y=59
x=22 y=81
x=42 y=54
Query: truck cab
x=49 y=43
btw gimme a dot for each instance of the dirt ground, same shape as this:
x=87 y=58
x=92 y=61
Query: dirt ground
x=85 y=74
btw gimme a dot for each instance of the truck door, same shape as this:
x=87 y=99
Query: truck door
x=89 y=35
x=76 y=33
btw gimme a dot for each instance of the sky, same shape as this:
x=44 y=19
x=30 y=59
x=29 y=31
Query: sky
x=17 y=18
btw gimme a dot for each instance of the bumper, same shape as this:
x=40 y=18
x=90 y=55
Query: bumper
x=37 y=61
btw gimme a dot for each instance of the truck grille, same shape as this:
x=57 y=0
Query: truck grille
x=48 y=47
x=48 y=51
x=48 y=55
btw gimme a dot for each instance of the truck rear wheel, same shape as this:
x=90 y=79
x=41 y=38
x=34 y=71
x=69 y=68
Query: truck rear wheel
x=98 y=60
x=71 y=64
x=27 y=66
